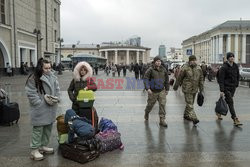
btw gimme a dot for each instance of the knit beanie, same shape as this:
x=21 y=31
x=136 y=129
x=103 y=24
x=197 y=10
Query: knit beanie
x=192 y=58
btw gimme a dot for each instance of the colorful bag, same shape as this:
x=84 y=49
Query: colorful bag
x=110 y=140
x=106 y=124
x=85 y=98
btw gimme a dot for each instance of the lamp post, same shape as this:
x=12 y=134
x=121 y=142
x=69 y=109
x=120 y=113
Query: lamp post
x=60 y=51
x=37 y=32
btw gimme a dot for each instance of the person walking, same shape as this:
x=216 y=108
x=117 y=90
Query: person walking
x=8 y=69
x=136 y=70
x=124 y=69
x=191 y=79
x=156 y=83
x=228 y=80
x=42 y=89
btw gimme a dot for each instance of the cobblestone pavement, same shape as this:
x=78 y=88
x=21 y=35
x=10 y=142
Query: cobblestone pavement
x=211 y=143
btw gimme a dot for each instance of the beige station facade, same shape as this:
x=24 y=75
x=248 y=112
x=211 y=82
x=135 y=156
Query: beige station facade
x=211 y=46
x=29 y=29
x=115 y=54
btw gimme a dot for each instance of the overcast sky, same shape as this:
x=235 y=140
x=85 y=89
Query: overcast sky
x=167 y=22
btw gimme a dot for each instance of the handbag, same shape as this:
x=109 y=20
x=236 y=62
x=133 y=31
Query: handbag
x=221 y=107
x=200 y=99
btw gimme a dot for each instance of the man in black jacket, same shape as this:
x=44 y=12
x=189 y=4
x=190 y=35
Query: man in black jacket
x=229 y=81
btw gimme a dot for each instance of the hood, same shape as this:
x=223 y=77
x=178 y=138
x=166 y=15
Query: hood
x=77 y=69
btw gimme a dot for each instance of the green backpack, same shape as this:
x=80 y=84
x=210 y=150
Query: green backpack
x=85 y=98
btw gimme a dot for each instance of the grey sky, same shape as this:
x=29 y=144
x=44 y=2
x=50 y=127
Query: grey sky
x=155 y=21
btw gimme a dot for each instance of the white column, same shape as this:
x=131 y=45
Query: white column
x=127 y=56
x=220 y=54
x=211 y=50
x=137 y=56
x=143 y=57
x=217 y=49
x=244 y=43
x=215 y=46
x=236 y=42
x=116 y=54
x=106 y=55
x=228 y=42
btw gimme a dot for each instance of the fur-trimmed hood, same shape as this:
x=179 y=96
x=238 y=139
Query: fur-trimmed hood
x=77 y=69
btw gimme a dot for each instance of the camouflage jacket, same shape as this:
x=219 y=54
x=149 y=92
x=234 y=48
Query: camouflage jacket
x=156 y=79
x=191 y=79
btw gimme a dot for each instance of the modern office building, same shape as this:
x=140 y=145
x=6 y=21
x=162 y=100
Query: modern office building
x=162 y=51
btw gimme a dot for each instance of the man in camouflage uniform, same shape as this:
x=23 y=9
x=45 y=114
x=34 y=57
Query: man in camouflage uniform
x=157 y=85
x=191 y=79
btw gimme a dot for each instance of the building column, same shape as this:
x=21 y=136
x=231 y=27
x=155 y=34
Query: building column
x=211 y=50
x=228 y=42
x=143 y=57
x=236 y=44
x=106 y=54
x=127 y=56
x=220 y=54
x=116 y=54
x=137 y=56
x=244 y=43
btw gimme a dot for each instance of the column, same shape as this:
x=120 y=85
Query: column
x=127 y=56
x=244 y=43
x=106 y=55
x=143 y=57
x=220 y=53
x=116 y=54
x=217 y=49
x=236 y=44
x=211 y=50
x=228 y=42
x=137 y=56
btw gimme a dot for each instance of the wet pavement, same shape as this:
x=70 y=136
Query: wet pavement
x=211 y=143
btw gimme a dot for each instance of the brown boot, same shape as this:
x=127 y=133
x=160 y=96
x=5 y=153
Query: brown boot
x=237 y=122
x=219 y=116
x=163 y=123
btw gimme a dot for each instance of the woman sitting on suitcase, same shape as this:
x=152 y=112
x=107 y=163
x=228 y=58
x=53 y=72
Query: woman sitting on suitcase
x=42 y=89
x=82 y=82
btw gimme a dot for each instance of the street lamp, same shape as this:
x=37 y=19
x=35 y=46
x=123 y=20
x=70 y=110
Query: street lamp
x=73 y=47
x=38 y=34
x=60 y=51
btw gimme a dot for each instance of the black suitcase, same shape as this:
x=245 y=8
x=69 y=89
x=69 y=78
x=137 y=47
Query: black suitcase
x=78 y=153
x=9 y=113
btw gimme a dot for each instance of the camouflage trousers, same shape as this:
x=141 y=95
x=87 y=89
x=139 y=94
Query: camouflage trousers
x=161 y=98
x=189 y=110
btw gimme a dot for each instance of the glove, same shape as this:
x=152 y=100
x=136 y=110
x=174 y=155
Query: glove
x=48 y=99
x=54 y=99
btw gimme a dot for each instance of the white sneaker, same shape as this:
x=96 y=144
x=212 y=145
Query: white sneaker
x=46 y=150
x=36 y=155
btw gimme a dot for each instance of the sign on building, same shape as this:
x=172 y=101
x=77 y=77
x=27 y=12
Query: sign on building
x=189 y=52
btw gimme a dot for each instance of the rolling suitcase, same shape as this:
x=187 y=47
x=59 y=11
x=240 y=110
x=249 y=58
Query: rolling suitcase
x=78 y=153
x=9 y=111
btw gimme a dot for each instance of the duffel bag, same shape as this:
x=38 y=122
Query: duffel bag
x=110 y=140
